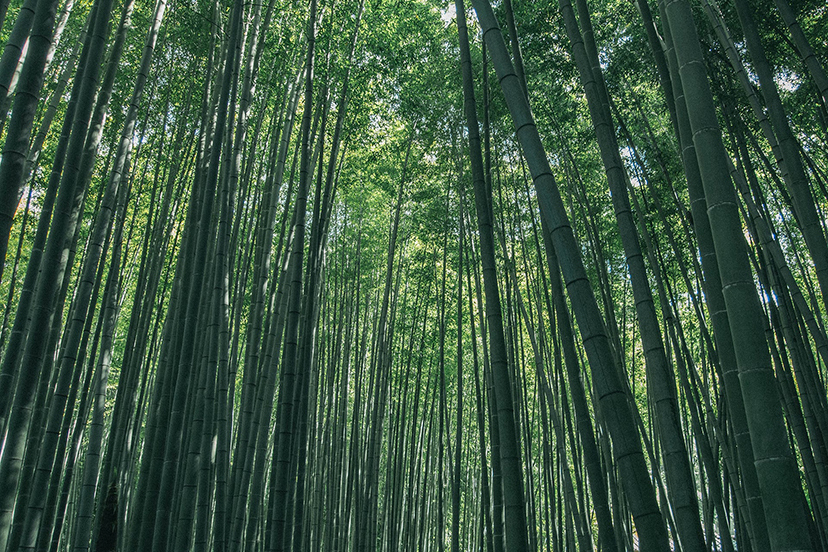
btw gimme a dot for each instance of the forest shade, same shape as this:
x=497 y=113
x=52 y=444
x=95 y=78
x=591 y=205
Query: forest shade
x=375 y=276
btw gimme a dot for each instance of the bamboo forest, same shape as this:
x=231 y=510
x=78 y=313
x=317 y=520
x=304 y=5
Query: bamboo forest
x=413 y=275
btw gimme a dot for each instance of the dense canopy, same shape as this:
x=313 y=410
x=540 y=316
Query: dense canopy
x=336 y=275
